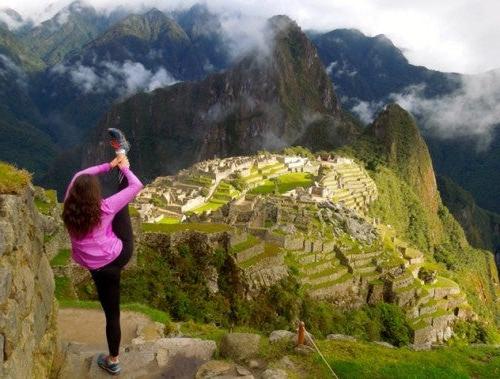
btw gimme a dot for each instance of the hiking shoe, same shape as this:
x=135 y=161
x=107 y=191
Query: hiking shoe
x=118 y=141
x=105 y=364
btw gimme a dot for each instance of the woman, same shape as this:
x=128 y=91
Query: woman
x=101 y=237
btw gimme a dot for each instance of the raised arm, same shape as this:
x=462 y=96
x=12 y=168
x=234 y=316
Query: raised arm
x=94 y=170
x=117 y=201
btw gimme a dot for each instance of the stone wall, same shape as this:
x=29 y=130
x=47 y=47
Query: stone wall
x=28 y=337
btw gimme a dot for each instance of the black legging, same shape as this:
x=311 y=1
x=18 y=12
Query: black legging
x=107 y=278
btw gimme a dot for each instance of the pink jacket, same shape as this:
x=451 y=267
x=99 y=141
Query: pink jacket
x=101 y=245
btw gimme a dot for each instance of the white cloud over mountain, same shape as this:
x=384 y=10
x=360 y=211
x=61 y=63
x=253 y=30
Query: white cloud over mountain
x=448 y=35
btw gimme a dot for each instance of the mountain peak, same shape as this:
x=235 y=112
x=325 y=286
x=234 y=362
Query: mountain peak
x=406 y=152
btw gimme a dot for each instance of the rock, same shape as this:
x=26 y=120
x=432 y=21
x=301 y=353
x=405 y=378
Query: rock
x=188 y=348
x=242 y=371
x=258 y=364
x=222 y=370
x=385 y=344
x=448 y=333
x=304 y=349
x=278 y=335
x=182 y=356
x=239 y=346
x=5 y=284
x=27 y=323
x=340 y=337
x=286 y=363
x=151 y=331
x=274 y=373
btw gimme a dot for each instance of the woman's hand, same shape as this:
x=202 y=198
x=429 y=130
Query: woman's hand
x=124 y=162
x=115 y=162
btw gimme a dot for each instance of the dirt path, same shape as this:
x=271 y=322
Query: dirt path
x=87 y=326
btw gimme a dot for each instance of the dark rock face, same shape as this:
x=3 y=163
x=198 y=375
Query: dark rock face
x=269 y=100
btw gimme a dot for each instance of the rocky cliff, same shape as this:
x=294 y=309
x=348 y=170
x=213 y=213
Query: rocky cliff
x=28 y=338
x=277 y=96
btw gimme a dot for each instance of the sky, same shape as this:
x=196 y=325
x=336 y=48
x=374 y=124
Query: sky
x=446 y=35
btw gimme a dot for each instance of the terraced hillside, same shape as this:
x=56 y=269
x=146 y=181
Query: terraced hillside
x=207 y=186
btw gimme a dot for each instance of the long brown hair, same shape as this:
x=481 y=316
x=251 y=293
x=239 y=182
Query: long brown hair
x=82 y=207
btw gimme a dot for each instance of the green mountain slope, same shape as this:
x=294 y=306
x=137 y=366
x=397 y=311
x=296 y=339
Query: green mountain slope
x=69 y=30
x=481 y=226
x=409 y=201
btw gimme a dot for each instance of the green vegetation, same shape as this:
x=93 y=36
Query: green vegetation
x=153 y=314
x=251 y=241
x=284 y=183
x=270 y=250
x=47 y=202
x=169 y=220
x=63 y=289
x=171 y=228
x=62 y=258
x=12 y=180
x=367 y=360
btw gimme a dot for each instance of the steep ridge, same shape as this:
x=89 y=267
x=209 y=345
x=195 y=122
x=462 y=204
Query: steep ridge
x=409 y=201
x=371 y=68
x=70 y=29
x=405 y=151
x=265 y=101
x=482 y=227
x=20 y=122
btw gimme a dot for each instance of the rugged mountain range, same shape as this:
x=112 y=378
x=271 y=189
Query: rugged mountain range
x=371 y=68
x=265 y=101
x=68 y=91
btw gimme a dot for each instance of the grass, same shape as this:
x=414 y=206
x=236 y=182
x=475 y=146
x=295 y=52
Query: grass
x=169 y=220
x=12 y=180
x=367 y=360
x=285 y=183
x=444 y=283
x=251 y=241
x=63 y=289
x=47 y=204
x=270 y=250
x=61 y=259
x=208 y=206
x=132 y=211
x=153 y=314
x=172 y=228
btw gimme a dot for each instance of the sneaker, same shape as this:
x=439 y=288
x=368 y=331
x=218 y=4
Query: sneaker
x=118 y=141
x=105 y=364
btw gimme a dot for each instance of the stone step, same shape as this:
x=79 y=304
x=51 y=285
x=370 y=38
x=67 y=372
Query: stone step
x=330 y=289
x=309 y=258
x=142 y=360
x=316 y=267
x=250 y=252
x=326 y=276
x=364 y=269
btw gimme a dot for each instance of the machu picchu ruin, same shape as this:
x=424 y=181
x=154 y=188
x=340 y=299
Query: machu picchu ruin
x=272 y=213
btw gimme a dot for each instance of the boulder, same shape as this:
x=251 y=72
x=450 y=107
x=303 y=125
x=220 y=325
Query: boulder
x=280 y=335
x=240 y=346
x=340 y=337
x=223 y=370
x=274 y=373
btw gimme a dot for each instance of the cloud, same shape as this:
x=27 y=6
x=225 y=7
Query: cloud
x=472 y=111
x=9 y=69
x=449 y=35
x=125 y=78
x=340 y=70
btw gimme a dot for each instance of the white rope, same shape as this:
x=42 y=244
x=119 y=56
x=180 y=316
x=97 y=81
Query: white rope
x=321 y=355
